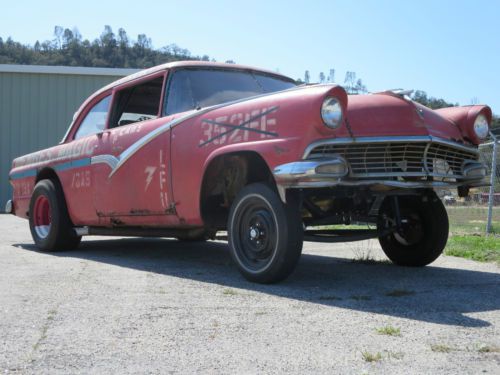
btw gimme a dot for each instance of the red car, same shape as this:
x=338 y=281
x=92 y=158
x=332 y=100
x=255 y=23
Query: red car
x=190 y=148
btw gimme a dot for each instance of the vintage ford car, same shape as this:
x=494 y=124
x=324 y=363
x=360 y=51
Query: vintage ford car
x=190 y=148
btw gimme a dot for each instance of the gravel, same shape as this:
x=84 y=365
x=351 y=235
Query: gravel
x=135 y=305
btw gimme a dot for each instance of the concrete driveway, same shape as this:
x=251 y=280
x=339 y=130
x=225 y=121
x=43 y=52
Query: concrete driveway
x=162 y=306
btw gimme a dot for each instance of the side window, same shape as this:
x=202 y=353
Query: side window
x=95 y=121
x=137 y=103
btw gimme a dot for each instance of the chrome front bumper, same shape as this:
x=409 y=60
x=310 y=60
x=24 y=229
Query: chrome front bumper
x=328 y=172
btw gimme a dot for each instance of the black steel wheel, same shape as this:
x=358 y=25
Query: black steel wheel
x=50 y=225
x=265 y=235
x=423 y=231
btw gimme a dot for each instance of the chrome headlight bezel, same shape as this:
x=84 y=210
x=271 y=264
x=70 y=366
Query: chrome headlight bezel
x=332 y=113
x=481 y=127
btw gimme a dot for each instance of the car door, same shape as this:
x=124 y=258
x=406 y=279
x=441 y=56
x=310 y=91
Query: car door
x=132 y=171
x=74 y=166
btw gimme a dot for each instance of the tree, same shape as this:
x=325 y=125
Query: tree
x=307 y=77
x=58 y=31
x=421 y=97
x=350 y=82
x=331 y=76
x=359 y=88
x=69 y=48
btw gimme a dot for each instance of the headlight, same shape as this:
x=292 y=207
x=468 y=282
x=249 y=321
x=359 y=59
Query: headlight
x=481 y=127
x=331 y=112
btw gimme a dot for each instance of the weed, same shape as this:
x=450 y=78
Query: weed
x=389 y=331
x=441 y=348
x=489 y=349
x=370 y=357
x=229 y=292
x=395 y=355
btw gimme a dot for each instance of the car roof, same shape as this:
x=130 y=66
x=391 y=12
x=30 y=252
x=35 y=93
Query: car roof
x=184 y=64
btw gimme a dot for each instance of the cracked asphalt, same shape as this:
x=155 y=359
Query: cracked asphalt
x=135 y=305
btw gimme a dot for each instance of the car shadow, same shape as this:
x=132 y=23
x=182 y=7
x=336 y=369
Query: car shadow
x=431 y=294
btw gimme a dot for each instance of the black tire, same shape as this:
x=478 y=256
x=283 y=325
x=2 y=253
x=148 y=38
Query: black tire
x=424 y=230
x=265 y=236
x=51 y=230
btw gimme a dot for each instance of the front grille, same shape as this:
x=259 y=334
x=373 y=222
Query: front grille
x=399 y=159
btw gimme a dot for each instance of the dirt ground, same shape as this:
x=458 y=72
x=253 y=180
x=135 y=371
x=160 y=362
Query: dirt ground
x=156 y=306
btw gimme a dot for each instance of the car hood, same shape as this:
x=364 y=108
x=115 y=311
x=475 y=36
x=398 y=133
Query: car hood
x=388 y=114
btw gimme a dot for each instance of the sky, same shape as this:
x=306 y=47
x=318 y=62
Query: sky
x=450 y=49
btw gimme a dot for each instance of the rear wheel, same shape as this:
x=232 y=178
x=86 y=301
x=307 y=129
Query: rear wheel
x=265 y=235
x=50 y=225
x=423 y=233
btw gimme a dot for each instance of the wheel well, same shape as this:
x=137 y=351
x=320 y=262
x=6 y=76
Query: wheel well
x=47 y=174
x=224 y=177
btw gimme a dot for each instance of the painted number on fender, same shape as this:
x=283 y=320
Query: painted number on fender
x=81 y=179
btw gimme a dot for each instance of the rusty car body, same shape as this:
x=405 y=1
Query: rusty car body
x=187 y=149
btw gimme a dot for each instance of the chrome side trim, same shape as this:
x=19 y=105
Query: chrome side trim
x=9 y=207
x=110 y=160
x=394 y=139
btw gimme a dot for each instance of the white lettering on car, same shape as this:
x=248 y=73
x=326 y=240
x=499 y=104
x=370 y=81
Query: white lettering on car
x=163 y=182
x=150 y=170
x=81 y=179
x=239 y=127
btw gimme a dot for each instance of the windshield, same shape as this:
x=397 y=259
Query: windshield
x=197 y=88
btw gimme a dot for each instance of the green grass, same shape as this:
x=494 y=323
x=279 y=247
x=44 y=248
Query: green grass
x=472 y=219
x=480 y=248
x=370 y=357
x=389 y=331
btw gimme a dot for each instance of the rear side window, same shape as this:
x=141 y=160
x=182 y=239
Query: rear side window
x=95 y=120
x=137 y=103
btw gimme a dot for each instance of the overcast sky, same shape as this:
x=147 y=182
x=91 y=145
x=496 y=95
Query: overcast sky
x=450 y=49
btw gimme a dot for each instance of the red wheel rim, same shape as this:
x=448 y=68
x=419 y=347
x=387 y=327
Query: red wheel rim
x=42 y=218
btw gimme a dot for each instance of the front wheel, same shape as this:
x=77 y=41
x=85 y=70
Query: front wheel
x=423 y=232
x=50 y=225
x=265 y=235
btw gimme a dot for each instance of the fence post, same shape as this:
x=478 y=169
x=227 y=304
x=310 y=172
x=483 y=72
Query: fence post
x=492 y=182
